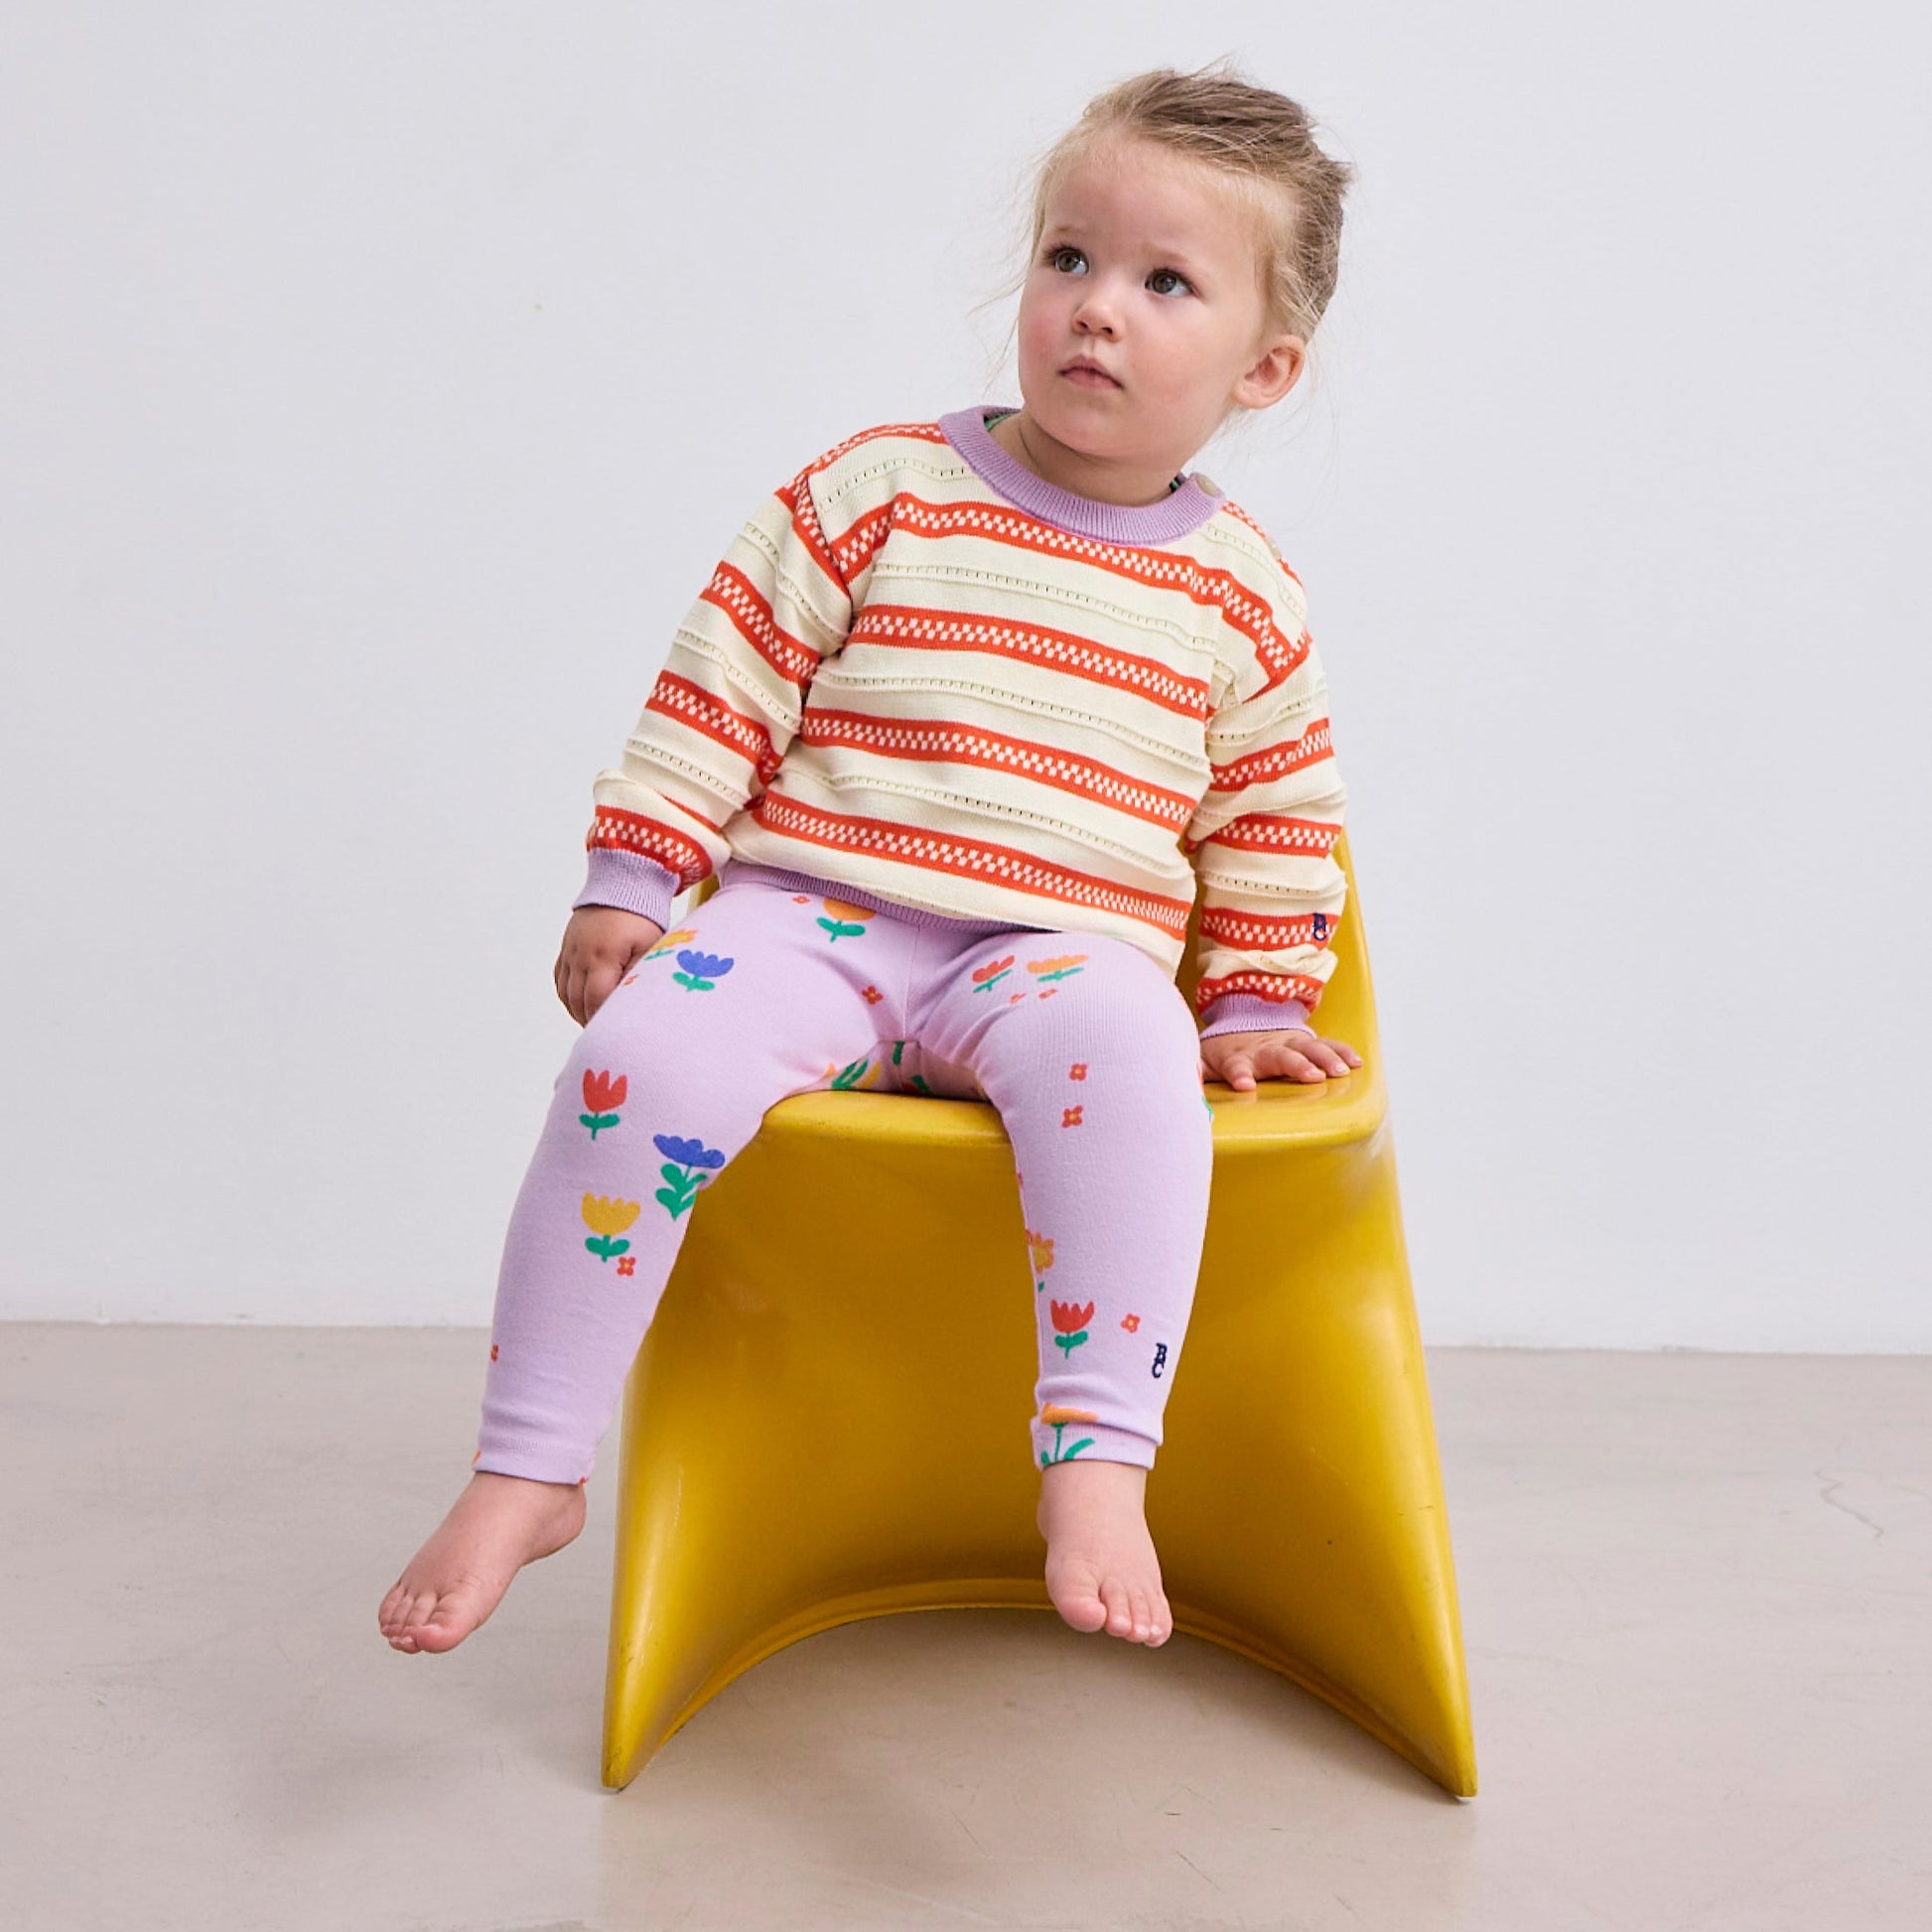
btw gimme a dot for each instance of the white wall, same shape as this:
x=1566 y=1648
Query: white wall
x=379 y=382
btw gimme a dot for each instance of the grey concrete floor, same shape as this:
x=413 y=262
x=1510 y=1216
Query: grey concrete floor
x=1695 y=1595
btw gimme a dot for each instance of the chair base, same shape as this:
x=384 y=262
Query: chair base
x=792 y=1459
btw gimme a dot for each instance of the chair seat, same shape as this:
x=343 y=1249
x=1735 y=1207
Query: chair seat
x=790 y=1461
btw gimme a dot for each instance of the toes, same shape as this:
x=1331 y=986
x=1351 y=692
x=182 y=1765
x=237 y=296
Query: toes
x=413 y=1612
x=1143 y=1616
x=1076 y=1598
x=1120 y=1611
x=452 y=1620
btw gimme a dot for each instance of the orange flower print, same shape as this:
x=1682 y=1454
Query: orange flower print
x=602 y=1095
x=801 y=898
x=1077 y=1071
x=1131 y=1322
x=1050 y=992
x=1040 y=1249
x=607 y=1220
x=986 y=977
x=1056 y=1418
x=672 y=940
x=873 y=996
x=1015 y=998
x=492 y=1351
x=628 y=1265
x=1057 y=969
x=1070 y=1117
x=847 y=920
x=1071 y=1323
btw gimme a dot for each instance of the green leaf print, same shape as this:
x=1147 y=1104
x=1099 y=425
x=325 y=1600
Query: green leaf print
x=594 y=1121
x=1046 y=1461
x=841 y=928
x=606 y=1245
x=1069 y=1343
x=850 y=1075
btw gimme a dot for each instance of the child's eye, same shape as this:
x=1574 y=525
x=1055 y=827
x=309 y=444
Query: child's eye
x=1059 y=255
x=1167 y=275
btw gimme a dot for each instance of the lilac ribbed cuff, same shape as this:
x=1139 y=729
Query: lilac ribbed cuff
x=1249 y=1012
x=631 y=883
x=1173 y=515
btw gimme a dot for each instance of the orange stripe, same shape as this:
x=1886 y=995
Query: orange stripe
x=1235 y=510
x=1314 y=743
x=942 y=741
x=909 y=626
x=1268 y=832
x=1273 y=987
x=797 y=496
x=997 y=522
x=733 y=593
x=926 y=432
x=1001 y=864
x=1267 y=931
x=691 y=704
x=617 y=830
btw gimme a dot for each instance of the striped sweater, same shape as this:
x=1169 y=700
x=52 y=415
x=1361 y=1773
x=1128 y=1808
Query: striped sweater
x=926 y=672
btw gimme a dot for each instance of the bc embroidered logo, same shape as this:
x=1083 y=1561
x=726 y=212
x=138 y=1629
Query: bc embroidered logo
x=1159 y=1357
x=1322 y=925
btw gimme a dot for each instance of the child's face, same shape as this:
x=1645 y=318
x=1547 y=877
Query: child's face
x=1146 y=264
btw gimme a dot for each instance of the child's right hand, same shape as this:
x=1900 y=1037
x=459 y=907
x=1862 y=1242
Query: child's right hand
x=601 y=944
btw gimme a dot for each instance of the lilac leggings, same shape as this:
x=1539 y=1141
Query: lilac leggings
x=773 y=988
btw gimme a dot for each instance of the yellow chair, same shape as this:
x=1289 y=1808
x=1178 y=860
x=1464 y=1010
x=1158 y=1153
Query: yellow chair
x=789 y=1464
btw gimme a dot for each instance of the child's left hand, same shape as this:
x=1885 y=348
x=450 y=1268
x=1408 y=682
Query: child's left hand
x=1242 y=1059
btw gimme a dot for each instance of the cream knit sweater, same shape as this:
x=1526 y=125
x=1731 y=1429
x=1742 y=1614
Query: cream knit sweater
x=923 y=671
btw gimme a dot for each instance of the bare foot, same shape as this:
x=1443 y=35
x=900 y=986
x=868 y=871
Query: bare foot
x=1101 y=1568
x=453 y=1583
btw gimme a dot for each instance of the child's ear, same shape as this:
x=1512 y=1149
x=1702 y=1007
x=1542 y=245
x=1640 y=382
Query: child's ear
x=1274 y=373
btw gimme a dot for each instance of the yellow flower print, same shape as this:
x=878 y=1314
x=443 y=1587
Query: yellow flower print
x=1057 y=969
x=607 y=1218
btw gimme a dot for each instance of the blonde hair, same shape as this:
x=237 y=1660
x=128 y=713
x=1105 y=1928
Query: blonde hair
x=1262 y=142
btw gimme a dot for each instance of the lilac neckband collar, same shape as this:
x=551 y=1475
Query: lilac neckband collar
x=1177 y=513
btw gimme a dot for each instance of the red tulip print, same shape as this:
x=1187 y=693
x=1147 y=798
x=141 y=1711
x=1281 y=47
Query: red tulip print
x=602 y=1095
x=992 y=973
x=1071 y=1323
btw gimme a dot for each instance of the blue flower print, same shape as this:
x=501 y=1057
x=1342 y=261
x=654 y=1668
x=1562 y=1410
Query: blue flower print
x=682 y=1160
x=691 y=1154
x=702 y=970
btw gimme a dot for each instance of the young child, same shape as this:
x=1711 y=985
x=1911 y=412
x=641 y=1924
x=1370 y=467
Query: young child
x=967 y=712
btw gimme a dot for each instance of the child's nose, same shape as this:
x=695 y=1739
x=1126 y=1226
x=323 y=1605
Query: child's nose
x=1098 y=313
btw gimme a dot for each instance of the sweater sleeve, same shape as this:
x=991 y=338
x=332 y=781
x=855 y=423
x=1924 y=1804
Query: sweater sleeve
x=1263 y=836
x=722 y=709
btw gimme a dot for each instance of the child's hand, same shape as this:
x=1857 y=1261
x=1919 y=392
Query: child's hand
x=601 y=944
x=1242 y=1059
